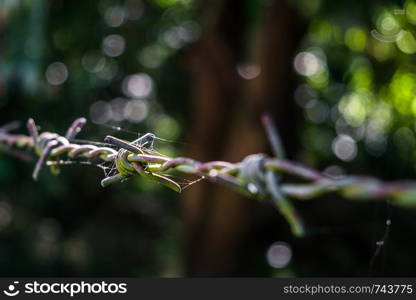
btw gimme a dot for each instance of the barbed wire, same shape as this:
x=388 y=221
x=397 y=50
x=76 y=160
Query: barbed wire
x=256 y=176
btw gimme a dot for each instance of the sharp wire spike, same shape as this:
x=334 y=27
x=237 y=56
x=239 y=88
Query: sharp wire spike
x=42 y=159
x=75 y=128
x=33 y=130
x=122 y=144
x=273 y=136
x=10 y=126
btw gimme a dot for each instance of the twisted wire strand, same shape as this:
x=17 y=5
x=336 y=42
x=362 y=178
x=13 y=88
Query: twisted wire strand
x=257 y=176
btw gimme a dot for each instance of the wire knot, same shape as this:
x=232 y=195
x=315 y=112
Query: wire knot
x=252 y=172
x=45 y=142
x=48 y=139
x=123 y=165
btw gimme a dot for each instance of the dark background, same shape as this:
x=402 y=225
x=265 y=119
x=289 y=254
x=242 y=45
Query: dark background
x=337 y=76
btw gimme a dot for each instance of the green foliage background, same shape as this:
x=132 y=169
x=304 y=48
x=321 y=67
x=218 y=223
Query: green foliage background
x=356 y=78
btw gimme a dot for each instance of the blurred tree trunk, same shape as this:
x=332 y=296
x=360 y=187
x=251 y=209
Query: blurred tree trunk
x=241 y=69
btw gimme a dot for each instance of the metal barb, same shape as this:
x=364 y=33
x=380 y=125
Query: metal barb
x=10 y=126
x=142 y=141
x=75 y=128
x=33 y=130
x=273 y=136
x=42 y=159
x=123 y=144
x=283 y=204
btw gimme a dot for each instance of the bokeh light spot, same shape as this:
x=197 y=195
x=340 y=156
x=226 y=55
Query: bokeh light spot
x=354 y=108
x=307 y=64
x=100 y=112
x=344 y=147
x=410 y=8
x=356 y=39
x=113 y=45
x=138 y=85
x=249 y=71
x=153 y=56
x=56 y=73
x=117 y=109
x=167 y=127
x=136 y=110
x=406 y=42
x=115 y=16
x=279 y=255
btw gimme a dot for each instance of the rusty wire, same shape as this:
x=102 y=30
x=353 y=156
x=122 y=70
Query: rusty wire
x=256 y=176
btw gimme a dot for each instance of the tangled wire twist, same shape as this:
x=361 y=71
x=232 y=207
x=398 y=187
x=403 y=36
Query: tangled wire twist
x=256 y=176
